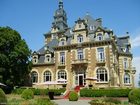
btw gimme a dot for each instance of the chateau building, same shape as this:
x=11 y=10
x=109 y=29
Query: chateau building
x=86 y=51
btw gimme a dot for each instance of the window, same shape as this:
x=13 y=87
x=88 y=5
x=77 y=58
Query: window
x=62 y=57
x=79 y=38
x=101 y=75
x=99 y=37
x=47 y=76
x=80 y=54
x=34 y=77
x=62 y=74
x=35 y=59
x=127 y=79
x=79 y=25
x=48 y=58
x=101 y=57
x=125 y=63
x=91 y=27
x=62 y=42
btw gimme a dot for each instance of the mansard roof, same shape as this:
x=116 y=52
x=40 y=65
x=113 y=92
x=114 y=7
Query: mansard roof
x=123 y=44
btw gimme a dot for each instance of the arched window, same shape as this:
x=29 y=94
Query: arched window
x=62 y=74
x=102 y=75
x=80 y=38
x=48 y=58
x=126 y=78
x=34 y=77
x=47 y=76
x=62 y=42
x=99 y=37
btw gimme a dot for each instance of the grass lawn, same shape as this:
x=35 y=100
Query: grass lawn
x=38 y=100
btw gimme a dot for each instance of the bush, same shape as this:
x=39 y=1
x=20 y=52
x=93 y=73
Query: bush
x=104 y=92
x=18 y=90
x=112 y=100
x=3 y=99
x=44 y=101
x=27 y=94
x=134 y=96
x=57 y=92
x=73 y=96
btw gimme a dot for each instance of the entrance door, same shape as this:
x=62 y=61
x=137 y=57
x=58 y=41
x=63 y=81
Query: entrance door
x=80 y=79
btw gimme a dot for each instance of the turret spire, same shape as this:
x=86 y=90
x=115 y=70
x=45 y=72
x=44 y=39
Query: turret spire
x=60 y=4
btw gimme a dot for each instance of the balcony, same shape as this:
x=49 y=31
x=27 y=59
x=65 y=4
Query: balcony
x=100 y=62
x=61 y=65
x=79 y=61
x=128 y=69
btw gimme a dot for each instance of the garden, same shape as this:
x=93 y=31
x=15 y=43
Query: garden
x=32 y=96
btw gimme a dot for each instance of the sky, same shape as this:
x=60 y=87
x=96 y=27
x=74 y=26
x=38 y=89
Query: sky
x=33 y=18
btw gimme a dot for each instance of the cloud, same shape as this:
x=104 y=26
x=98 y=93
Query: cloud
x=136 y=42
x=136 y=64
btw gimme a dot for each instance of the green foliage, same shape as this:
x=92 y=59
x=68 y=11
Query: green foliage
x=44 y=101
x=3 y=99
x=14 y=57
x=27 y=94
x=112 y=100
x=73 y=96
x=57 y=92
x=104 y=92
x=134 y=96
x=105 y=101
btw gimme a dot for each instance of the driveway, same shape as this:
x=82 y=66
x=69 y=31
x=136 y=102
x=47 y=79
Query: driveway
x=67 y=102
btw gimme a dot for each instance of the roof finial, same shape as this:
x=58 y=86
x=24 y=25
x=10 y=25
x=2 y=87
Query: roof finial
x=60 y=4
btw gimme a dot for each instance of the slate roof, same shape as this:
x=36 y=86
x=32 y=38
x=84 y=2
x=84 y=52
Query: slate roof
x=123 y=42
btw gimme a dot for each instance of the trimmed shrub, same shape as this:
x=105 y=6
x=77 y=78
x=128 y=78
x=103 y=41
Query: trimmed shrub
x=104 y=92
x=27 y=94
x=57 y=92
x=73 y=96
x=134 y=96
x=3 y=99
x=44 y=101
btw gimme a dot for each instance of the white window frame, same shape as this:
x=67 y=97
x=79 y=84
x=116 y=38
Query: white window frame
x=99 y=37
x=62 y=57
x=62 y=42
x=99 y=72
x=34 y=76
x=80 y=54
x=125 y=63
x=101 y=55
x=127 y=79
x=62 y=74
x=47 y=74
x=80 y=39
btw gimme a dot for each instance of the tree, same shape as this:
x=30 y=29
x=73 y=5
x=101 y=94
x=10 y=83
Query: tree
x=14 y=57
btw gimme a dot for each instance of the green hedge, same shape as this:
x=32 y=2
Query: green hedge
x=104 y=92
x=73 y=96
x=40 y=91
x=27 y=94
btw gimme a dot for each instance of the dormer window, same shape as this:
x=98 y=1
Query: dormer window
x=99 y=37
x=62 y=42
x=91 y=27
x=79 y=38
x=79 y=25
x=35 y=59
x=48 y=58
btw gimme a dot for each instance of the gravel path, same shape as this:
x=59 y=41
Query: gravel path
x=67 y=102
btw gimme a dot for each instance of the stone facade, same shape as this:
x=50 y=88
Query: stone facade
x=86 y=55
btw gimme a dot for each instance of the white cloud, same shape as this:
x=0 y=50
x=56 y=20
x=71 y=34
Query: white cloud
x=136 y=42
x=136 y=63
